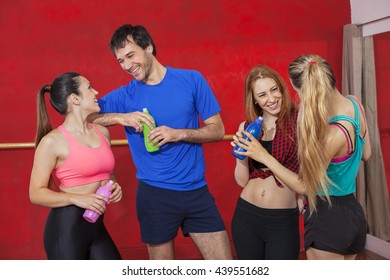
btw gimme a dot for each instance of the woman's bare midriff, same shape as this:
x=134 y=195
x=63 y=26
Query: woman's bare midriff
x=84 y=189
x=265 y=193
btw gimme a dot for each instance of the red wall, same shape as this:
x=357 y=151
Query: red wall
x=382 y=67
x=221 y=39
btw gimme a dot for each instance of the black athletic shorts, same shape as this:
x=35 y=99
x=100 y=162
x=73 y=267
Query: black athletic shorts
x=340 y=228
x=162 y=212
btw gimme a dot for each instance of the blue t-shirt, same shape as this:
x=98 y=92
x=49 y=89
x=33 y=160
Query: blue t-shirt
x=343 y=174
x=177 y=102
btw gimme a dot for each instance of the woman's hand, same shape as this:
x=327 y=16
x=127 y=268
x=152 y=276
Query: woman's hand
x=97 y=202
x=93 y=201
x=116 y=193
x=301 y=204
x=236 y=137
x=252 y=146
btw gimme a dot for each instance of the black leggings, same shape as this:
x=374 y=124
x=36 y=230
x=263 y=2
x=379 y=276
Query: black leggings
x=265 y=234
x=68 y=236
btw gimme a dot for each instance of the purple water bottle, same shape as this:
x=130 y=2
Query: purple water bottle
x=92 y=216
x=253 y=128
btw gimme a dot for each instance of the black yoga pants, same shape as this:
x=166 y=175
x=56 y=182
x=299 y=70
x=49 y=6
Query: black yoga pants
x=265 y=234
x=68 y=236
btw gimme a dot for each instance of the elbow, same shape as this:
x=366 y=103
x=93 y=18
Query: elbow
x=366 y=155
x=221 y=133
x=301 y=189
x=301 y=192
x=33 y=200
x=242 y=182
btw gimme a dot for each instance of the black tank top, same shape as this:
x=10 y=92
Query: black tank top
x=268 y=146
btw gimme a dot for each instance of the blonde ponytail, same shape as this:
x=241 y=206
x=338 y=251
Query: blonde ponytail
x=314 y=79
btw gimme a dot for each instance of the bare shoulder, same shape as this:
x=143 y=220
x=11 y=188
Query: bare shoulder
x=359 y=103
x=362 y=112
x=53 y=138
x=54 y=143
x=103 y=130
x=353 y=97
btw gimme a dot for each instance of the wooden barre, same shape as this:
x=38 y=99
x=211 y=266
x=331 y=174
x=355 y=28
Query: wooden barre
x=30 y=145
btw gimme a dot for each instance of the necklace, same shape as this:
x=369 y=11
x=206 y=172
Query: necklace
x=268 y=134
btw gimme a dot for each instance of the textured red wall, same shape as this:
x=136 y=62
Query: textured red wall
x=382 y=67
x=221 y=39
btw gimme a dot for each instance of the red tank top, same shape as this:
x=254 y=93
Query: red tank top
x=84 y=164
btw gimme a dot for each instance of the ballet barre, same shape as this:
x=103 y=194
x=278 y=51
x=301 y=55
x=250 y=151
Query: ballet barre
x=31 y=145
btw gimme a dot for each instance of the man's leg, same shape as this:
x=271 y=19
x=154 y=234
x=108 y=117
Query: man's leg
x=213 y=245
x=159 y=218
x=164 y=251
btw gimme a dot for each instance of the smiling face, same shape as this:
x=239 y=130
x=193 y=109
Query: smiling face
x=268 y=96
x=88 y=96
x=135 y=60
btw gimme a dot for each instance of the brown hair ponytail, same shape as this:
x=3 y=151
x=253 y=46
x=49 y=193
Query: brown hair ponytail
x=44 y=125
x=59 y=90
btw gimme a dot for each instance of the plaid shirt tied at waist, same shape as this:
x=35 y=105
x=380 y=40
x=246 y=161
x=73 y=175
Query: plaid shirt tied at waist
x=284 y=149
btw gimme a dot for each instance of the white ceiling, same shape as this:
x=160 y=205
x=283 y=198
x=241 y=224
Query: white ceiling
x=374 y=15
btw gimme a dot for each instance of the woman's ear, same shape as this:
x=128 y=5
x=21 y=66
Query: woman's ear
x=74 y=99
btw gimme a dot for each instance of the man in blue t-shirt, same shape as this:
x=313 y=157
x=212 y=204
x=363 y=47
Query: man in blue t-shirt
x=172 y=191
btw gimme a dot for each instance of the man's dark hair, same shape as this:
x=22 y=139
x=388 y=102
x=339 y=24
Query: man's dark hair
x=138 y=33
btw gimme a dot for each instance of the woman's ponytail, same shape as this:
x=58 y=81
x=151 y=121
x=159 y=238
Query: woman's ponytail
x=43 y=121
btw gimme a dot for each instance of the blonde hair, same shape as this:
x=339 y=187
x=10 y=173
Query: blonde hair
x=315 y=81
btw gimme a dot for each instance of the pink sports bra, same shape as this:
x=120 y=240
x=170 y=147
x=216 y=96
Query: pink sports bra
x=349 y=142
x=84 y=164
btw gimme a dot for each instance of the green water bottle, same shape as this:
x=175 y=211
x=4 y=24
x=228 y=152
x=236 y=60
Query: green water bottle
x=146 y=129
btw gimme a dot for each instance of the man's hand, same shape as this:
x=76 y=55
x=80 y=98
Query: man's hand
x=134 y=119
x=213 y=130
x=163 y=134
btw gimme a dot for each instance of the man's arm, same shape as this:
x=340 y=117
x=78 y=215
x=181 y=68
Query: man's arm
x=213 y=130
x=133 y=119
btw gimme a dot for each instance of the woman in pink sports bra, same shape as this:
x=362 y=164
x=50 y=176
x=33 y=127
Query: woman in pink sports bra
x=79 y=155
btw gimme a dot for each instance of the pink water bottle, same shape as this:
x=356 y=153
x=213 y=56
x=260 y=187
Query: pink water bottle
x=92 y=216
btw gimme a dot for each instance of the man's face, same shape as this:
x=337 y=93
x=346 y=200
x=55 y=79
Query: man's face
x=135 y=60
